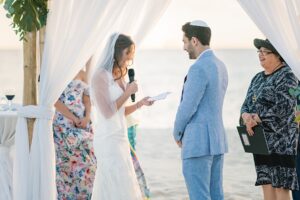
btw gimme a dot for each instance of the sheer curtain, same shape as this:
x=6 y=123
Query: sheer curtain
x=280 y=22
x=7 y=135
x=136 y=19
x=5 y=173
x=75 y=30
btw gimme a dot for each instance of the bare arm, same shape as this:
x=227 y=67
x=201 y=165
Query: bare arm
x=87 y=105
x=63 y=109
x=88 y=70
x=122 y=99
x=108 y=107
x=82 y=75
x=139 y=104
x=87 y=118
x=131 y=89
x=130 y=109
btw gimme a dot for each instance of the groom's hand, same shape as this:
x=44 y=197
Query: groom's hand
x=179 y=143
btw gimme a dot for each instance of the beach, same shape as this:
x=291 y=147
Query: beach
x=159 y=71
x=160 y=159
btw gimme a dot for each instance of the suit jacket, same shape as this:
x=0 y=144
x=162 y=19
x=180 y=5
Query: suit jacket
x=199 y=123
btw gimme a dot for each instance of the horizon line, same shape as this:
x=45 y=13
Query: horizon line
x=151 y=48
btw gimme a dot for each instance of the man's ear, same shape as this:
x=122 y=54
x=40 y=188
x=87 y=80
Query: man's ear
x=194 y=40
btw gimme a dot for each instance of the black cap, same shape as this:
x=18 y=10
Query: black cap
x=258 y=43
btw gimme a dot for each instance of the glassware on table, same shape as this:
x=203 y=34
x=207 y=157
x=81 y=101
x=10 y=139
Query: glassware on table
x=2 y=100
x=2 y=103
x=9 y=98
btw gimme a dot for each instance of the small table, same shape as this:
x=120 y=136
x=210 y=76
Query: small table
x=8 y=121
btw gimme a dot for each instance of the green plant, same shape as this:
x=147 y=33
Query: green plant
x=26 y=15
x=296 y=93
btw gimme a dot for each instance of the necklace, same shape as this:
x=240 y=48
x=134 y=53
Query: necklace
x=259 y=90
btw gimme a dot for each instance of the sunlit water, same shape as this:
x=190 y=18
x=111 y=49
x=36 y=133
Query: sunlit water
x=159 y=71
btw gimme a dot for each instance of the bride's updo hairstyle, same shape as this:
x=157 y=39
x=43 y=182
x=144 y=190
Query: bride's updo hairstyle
x=122 y=43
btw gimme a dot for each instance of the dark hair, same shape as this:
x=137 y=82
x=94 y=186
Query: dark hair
x=122 y=43
x=203 y=34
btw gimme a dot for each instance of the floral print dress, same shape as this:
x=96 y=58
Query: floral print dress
x=75 y=159
x=137 y=166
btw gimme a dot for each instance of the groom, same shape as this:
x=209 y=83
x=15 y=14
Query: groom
x=198 y=128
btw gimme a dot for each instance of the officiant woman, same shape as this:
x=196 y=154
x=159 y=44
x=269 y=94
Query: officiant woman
x=269 y=103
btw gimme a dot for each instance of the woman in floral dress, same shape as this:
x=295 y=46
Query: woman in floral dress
x=132 y=126
x=73 y=137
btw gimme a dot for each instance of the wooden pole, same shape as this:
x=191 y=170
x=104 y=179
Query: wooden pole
x=41 y=40
x=42 y=32
x=30 y=76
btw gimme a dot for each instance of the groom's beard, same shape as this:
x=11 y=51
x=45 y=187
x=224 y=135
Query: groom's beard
x=192 y=55
x=191 y=52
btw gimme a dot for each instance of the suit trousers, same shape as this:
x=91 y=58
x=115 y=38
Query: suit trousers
x=204 y=177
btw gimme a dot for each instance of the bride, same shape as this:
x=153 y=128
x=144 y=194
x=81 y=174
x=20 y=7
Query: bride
x=115 y=175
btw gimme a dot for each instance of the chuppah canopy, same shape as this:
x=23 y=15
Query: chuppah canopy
x=280 y=22
x=75 y=30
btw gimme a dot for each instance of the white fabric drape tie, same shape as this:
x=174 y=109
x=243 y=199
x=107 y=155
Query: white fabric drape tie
x=26 y=164
x=37 y=112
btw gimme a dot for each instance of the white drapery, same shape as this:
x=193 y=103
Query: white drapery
x=280 y=22
x=8 y=122
x=5 y=173
x=75 y=29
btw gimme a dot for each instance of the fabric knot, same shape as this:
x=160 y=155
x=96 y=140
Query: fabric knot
x=38 y=112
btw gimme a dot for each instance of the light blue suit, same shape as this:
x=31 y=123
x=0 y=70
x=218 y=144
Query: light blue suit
x=199 y=126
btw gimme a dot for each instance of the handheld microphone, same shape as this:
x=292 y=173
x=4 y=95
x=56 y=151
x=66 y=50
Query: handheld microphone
x=131 y=79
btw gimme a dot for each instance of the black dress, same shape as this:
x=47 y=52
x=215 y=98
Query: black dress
x=269 y=97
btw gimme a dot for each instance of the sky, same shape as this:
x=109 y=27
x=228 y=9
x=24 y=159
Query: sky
x=231 y=27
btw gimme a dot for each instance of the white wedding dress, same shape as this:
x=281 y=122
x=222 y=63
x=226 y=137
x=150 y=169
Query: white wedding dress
x=115 y=175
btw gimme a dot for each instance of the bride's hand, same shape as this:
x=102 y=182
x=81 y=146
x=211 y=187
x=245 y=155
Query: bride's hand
x=146 y=102
x=132 y=87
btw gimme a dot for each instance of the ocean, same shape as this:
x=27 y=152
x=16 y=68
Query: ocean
x=159 y=71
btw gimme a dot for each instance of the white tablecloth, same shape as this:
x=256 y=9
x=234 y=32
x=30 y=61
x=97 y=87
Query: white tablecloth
x=8 y=120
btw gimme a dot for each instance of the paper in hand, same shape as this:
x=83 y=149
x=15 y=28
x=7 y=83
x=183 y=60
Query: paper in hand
x=159 y=97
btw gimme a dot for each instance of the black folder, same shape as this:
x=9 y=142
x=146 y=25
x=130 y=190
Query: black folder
x=254 y=144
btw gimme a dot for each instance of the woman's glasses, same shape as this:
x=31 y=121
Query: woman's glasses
x=264 y=53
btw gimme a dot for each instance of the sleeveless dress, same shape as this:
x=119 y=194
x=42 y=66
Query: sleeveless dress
x=115 y=175
x=132 y=130
x=75 y=159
